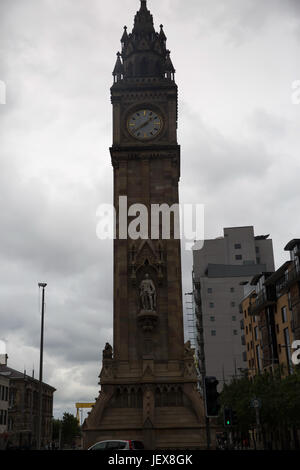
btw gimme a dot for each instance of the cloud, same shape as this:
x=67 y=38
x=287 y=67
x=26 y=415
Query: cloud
x=237 y=129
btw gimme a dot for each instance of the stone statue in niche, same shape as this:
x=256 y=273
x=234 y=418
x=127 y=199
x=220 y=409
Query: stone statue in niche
x=107 y=351
x=148 y=294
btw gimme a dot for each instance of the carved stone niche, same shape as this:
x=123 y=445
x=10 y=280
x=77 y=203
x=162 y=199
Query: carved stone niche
x=147 y=316
x=144 y=254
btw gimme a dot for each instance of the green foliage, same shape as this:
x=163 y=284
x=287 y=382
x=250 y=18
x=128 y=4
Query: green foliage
x=56 y=423
x=279 y=397
x=70 y=428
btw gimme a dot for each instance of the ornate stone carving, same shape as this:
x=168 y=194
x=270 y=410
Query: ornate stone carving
x=107 y=351
x=144 y=254
x=147 y=320
x=189 y=361
x=188 y=351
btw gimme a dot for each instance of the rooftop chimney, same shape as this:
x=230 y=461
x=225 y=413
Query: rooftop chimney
x=3 y=359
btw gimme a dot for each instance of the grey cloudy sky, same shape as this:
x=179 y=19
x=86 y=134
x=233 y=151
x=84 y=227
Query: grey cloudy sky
x=236 y=61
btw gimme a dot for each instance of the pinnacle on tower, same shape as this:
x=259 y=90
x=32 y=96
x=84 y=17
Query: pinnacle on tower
x=143 y=21
x=144 y=52
x=162 y=35
x=119 y=69
x=124 y=39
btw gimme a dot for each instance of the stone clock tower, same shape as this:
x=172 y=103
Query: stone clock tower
x=148 y=379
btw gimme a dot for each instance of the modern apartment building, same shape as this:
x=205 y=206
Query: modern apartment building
x=220 y=269
x=271 y=315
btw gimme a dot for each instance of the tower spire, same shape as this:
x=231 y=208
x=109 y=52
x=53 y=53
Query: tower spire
x=143 y=21
x=144 y=51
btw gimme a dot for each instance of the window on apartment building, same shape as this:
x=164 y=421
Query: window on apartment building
x=231 y=289
x=257 y=249
x=289 y=301
x=235 y=332
x=246 y=330
x=213 y=333
x=257 y=260
x=284 y=314
x=233 y=318
x=251 y=344
x=258 y=357
x=238 y=257
x=209 y=290
x=212 y=318
x=250 y=327
x=211 y=305
x=256 y=333
x=288 y=349
x=245 y=313
x=3 y=417
x=237 y=246
x=248 y=346
x=232 y=304
x=10 y=424
x=277 y=328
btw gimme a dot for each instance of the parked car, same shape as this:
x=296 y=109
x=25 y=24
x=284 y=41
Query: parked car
x=118 y=445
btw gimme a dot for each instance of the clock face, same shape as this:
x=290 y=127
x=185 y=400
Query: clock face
x=144 y=124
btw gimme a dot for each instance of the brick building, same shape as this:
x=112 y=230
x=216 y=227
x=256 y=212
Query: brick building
x=272 y=315
x=23 y=409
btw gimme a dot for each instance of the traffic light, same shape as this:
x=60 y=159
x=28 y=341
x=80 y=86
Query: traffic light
x=227 y=417
x=211 y=397
x=234 y=418
x=230 y=417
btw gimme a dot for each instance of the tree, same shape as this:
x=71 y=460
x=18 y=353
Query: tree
x=56 y=424
x=280 y=405
x=70 y=428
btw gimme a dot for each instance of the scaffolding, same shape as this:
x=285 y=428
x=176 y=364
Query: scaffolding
x=192 y=329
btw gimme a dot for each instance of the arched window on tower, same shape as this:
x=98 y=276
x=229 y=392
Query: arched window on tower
x=144 y=65
x=130 y=69
x=139 y=398
x=158 y=68
x=158 y=398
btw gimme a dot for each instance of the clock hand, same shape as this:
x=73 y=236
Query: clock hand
x=144 y=124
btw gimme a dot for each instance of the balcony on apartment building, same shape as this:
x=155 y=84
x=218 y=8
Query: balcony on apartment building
x=263 y=299
x=290 y=277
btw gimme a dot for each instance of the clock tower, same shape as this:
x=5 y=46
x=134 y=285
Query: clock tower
x=148 y=378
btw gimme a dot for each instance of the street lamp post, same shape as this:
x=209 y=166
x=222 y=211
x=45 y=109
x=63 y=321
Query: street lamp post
x=39 y=434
